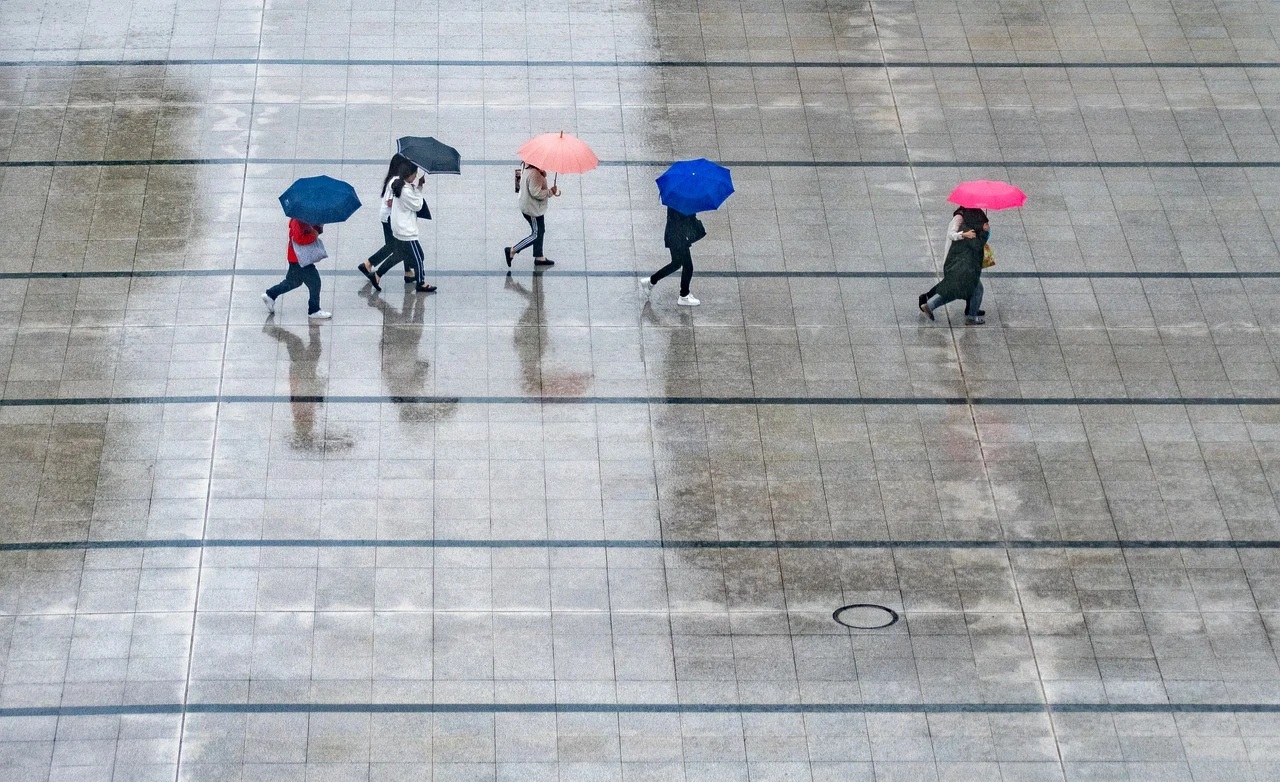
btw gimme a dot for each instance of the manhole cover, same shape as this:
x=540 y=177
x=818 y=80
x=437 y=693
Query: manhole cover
x=865 y=616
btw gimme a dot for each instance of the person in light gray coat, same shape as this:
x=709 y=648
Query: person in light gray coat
x=534 y=196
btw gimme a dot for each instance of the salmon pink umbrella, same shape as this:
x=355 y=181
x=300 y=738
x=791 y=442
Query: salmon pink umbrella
x=559 y=153
x=982 y=194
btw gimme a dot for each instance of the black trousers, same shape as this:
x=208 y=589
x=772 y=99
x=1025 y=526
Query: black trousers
x=386 y=250
x=410 y=254
x=680 y=259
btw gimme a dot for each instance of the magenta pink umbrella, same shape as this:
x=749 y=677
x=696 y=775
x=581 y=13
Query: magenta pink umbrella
x=983 y=194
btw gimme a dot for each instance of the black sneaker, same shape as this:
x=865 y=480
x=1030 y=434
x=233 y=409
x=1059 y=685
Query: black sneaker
x=506 y=256
x=544 y=262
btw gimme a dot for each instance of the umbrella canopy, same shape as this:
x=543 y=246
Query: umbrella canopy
x=982 y=194
x=432 y=156
x=559 y=153
x=692 y=186
x=319 y=200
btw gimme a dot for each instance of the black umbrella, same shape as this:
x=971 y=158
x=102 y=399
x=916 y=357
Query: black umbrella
x=430 y=155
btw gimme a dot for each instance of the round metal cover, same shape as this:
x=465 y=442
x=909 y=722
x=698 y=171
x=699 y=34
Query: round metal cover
x=865 y=616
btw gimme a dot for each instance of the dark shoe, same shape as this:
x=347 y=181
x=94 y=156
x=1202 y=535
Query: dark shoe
x=426 y=289
x=506 y=256
x=925 y=309
x=370 y=276
x=924 y=299
x=410 y=280
x=544 y=262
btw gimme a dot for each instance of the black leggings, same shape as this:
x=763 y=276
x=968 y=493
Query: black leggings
x=682 y=260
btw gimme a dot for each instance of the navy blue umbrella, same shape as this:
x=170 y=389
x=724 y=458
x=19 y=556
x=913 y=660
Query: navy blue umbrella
x=692 y=186
x=320 y=200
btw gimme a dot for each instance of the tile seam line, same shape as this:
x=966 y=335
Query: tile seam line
x=627 y=274
x=615 y=708
x=858 y=401
x=571 y=543
x=628 y=64
x=503 y=162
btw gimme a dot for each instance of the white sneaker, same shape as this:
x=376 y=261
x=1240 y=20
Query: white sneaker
x=646 y=287
x=270 y=302
x=688 y=301
x=320 y=315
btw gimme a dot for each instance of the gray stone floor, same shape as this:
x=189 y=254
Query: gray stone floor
x=538 y=527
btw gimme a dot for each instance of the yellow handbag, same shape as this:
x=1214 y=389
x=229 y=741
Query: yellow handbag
x=988 y=256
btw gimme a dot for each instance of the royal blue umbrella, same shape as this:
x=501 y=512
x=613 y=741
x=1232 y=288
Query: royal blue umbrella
x=320 y=200
x=692 y=186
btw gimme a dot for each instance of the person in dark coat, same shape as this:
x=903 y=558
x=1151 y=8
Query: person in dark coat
x=962 y=269
x=681 y=233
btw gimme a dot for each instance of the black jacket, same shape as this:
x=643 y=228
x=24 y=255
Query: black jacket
x=682 y=229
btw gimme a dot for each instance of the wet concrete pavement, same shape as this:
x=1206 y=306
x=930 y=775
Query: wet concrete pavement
x=542 y=527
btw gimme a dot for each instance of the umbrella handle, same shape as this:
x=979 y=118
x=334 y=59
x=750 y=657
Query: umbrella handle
x=555 y=180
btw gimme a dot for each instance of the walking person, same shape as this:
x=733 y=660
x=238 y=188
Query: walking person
x=407 y=204
x=962 y=269
x=534 y=195
x=955 y=232
x=403 y=168
x=681 y=233
x=305 y=248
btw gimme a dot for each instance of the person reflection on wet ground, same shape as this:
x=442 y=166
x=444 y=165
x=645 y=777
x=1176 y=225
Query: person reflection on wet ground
x=306 y=386
x=686 y=494
x=404 y=372
x=531 y=346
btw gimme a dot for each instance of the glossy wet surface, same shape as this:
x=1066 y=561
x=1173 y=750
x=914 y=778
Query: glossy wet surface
x=539 y=527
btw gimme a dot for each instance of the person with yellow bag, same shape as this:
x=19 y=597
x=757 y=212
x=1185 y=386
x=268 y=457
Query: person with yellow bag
x=967 y=255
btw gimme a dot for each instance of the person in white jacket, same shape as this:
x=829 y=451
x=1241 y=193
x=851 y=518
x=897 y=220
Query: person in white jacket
x=406 y=200
x=382 y=260
x=534 y=195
